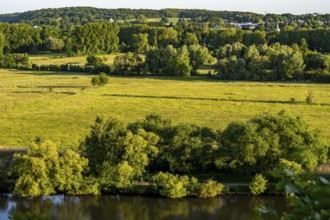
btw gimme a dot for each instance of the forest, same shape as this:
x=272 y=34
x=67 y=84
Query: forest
x=175 y=50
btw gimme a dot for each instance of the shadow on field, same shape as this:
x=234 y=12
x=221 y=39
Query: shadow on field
x=206 y=99
x=49 y=73
x=43 y=92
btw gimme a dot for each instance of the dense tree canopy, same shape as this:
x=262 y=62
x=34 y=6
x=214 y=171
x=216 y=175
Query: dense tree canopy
x=259 y=144
x=42 y=171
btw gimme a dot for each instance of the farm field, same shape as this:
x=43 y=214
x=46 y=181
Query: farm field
x=62 y=107
x=58 y=59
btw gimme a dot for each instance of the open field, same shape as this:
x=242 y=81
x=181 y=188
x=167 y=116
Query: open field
x=64 y=113
x=58 y=59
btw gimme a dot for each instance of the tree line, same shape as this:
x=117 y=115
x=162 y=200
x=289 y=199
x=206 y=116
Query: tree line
x=156 y=156
x=65 y=18
x=107 y=37
x=176 y=50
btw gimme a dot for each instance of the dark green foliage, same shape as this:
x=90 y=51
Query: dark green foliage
x=199 y=55
x=100 y=80
x=275 y=62
x=103 y=143
x=117 y=154
x=54 y=44
x=182 y=148
x=188 y=148
x=128 y=64
x=94 y=38
x=93 y=60
x=140 y=43
x=169 y=61
x=19 y=61
x=259 y=144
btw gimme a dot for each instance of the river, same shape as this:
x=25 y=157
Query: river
x=119 y=207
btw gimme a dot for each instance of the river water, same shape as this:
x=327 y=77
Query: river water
x=119 y=207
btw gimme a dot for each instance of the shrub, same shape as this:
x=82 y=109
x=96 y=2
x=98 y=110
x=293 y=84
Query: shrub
x=258 y=185
x=100 y=80
x=309 y=98
x=174 y=186
x=210 y=189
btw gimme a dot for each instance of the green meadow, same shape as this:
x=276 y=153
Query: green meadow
x=62 y=107
x=61 y=58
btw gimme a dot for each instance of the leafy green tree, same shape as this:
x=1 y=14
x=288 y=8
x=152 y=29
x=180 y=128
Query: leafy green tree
x=169 y=61
x=104 y=143
x=41 y=171
x=36 y=170
x=240 y=145
x=231 y=68
x=139 y=149
x=254 y=38
x=258 y=185
x=93 y=60
x=166 y=36
x=182 y=151
x=93 y=38
x=128 y=64
x=140 y=43
x=286 y=62
x=100 y=80
x=123 y=175
x=110 y=143
x=199 y=55
x=191 y=39
x=69 y=177
x=236 y=49
x=54 y=44
x=181 y=64
x=259 y=144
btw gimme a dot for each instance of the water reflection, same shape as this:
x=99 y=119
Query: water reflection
x=138 y=207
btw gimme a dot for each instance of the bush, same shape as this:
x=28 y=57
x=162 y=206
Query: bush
x=174 y=186
x=258 y=185
x=309 y=98
x=210 y=189
x=100 y=80
x=93 y=60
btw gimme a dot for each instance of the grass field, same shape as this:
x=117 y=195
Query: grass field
x=58 y=59
x=65 y=113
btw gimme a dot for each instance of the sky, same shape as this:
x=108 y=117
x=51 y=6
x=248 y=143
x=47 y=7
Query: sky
x=258 y=6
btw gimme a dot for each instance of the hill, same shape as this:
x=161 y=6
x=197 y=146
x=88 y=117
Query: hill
x=80 y=15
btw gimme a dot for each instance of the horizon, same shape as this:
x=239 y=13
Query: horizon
x=270 y=7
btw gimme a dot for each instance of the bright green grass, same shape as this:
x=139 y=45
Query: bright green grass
x=65 y=115
x=58 y=59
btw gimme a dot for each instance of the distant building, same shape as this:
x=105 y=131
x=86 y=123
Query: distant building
x=278 y=28
x=243 y=26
